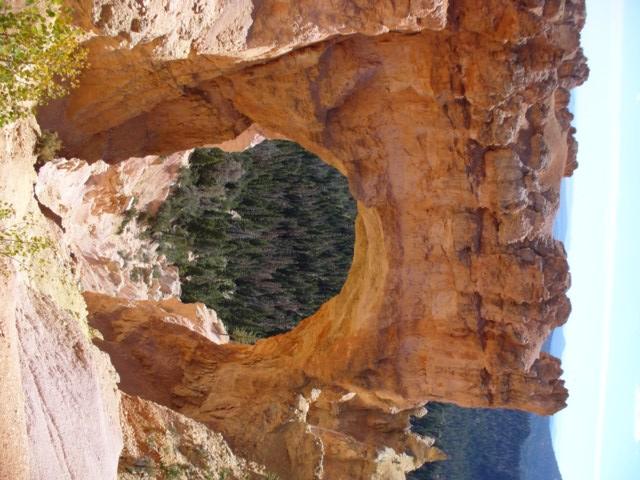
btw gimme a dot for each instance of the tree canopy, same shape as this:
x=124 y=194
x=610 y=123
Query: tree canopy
x=40 y=58
x=481 y=443
x=264 y=236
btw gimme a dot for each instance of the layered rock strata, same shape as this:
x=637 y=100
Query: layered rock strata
x=451 y=124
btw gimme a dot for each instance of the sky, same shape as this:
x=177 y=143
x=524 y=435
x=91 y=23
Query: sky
x=598 y=435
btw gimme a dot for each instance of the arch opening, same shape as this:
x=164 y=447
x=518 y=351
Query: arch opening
x=264 y=236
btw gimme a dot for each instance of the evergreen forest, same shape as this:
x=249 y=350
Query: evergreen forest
x=481 y=444
x=263 y=237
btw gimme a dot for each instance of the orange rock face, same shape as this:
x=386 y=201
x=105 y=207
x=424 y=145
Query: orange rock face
x=454 y=133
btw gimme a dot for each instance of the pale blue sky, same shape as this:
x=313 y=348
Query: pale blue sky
x=598 y=435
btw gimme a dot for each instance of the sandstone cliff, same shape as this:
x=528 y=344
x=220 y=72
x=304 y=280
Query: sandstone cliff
x=61 y=413
x=450 y=121
x=59 y=400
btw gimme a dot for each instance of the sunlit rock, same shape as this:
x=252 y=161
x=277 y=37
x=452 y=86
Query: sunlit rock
x=450 y=121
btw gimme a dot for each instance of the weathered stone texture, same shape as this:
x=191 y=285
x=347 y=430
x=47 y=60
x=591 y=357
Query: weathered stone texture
x=59 y=400
x=97 y=207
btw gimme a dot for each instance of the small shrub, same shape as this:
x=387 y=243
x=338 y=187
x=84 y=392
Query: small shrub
x=40 y=58
x=151 y=440
x=244 y=335
x=127 y=216
x=173 y=472
x=126 y=256
x=138 y=274
x=47 y=147
x=156 y=272
x=18 y=244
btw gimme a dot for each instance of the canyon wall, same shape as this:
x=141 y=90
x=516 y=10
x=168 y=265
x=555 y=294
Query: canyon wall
x=62 y=415
x=449 y=120
x=59 y=400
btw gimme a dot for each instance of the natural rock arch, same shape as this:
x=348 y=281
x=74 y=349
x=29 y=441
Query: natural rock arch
x=454 y=133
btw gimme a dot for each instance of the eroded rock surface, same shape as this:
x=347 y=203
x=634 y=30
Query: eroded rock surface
x=59 y=400
x=454 y=133
x=160 y=443
x=98 y=207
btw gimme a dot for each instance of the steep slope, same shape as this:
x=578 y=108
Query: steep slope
x=96 y=205
x=101 y=240
x=58 y=401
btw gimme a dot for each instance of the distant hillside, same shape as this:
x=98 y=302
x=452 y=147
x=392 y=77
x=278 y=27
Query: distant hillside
x=538 y=460
x=555 y=343
x=561 y=222
x=487 y=444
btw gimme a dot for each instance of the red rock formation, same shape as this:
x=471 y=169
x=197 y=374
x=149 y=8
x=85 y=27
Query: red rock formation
x=454 y=134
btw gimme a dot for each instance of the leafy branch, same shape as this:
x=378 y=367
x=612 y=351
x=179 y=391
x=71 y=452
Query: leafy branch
x=40 y=57
x=17 y=244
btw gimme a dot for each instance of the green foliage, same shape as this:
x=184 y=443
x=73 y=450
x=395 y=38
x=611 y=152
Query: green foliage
x=46 y=148
x=39 y=56
x=18 y=244
x=481 y=444
x=129 y=215
x=244 y=335
x=264 y=237
x=173 y=472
